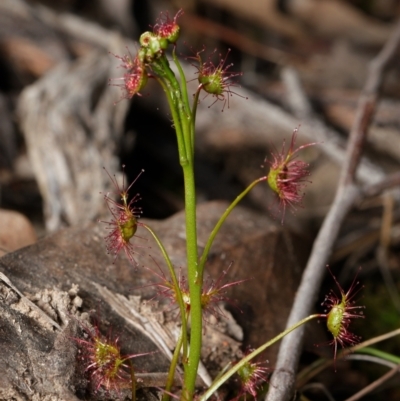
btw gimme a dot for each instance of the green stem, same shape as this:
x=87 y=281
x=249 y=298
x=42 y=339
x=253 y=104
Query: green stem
x=182 y=105
x=182 y=119
x=194 y=281
x=185 y=96
x=186 y=116
x=172 y=368
x=217 y=227
x=195 y=284
x=175 y=116
x=221 y=380
x=178 y=291
x=179 y=105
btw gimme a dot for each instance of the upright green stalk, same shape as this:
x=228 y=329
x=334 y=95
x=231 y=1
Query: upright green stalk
x=195 y=284
x=177 y=99
x=194 y=280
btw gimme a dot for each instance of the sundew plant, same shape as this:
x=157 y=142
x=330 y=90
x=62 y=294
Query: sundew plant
x=285 y=174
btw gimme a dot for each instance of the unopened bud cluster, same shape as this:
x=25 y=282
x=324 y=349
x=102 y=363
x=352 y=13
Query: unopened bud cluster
x=152 y=47
x=165 y=33
x=151 y=61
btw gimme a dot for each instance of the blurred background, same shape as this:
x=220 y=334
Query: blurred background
x=304 y=63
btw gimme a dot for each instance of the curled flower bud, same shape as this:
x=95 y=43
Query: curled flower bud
x=340 y=311
x=167 y=28
x=136 y=77
x=287 y=176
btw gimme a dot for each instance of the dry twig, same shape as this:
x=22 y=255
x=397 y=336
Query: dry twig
x=375 y=384
x=391 y=181
x=382 y=251
x=333 y=144
x=283 y=379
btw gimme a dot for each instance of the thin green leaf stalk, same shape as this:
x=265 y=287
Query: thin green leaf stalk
x=222 y=379
x=182 y=76
x=321 y=364
x=222 y=219
x=178 y=291
x=380 y=354
x=194 y=111
x=172 y=368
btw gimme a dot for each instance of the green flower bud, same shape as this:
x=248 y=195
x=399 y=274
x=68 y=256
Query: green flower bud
x=153 y=44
